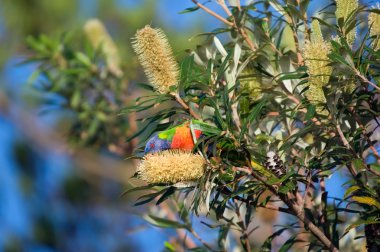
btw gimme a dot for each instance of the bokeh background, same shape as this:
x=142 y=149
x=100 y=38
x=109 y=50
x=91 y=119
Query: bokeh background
x=52 y=199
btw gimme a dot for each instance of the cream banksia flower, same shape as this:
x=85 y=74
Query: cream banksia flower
x=171 y=166
x=156 y=57
x=374 y=24
x=344 y=8
x=316 y=58
x=98 y=36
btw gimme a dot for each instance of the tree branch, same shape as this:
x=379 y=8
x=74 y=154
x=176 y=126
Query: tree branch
x=297 y=209
x=212 y=13
x=185 y=106
x=241 y=30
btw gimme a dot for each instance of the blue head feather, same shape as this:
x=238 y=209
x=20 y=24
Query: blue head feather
x=156 y=144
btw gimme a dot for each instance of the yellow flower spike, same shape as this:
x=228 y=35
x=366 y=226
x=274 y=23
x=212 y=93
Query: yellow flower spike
x=156 y=57
x=98 y=36
x=374 y=25
x=316 y=60
x=251 y=82
x=171 y=166
x=316 y=36
x=344 y=9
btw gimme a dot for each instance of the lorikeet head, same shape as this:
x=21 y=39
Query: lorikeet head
x=156 y=144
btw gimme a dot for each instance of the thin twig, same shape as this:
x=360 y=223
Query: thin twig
x=348 y=146
x=222 y=3
x=296 y=41
x=238 y=5
x=185 y=106
x=189 y=243
x=212 y=13
x=365 y=80
x=241 y=30
x=196 y=235
x=247 y=245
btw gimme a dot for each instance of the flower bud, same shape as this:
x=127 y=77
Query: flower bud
x=99 y=37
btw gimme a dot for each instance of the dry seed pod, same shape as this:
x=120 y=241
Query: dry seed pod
x=275 y=164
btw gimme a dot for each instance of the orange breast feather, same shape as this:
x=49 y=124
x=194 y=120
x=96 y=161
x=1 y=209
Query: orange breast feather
x=183 y=139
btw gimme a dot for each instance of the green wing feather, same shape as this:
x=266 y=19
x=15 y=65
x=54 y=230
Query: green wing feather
x=167 y=134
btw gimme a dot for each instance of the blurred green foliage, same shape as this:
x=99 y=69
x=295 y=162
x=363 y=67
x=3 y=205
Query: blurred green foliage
x=22 y=18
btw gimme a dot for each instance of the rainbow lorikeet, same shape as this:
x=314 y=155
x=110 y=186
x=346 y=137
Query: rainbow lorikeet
x=182 y=137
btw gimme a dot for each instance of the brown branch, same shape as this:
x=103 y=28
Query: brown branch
x=212 y=13
x=241 y=30
x=296 y=42
x=185 y=106
x=222 y=3
x=196 y=235
x=365 y=80
x=300 y=213
x=189 y=243
x=375 y=152
x=245 y=235
x=348 y=146
x=304 y=110
x=297 y=209
x=238 y=5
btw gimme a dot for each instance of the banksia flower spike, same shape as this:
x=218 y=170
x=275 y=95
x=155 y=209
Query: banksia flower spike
x=251 y=82
x=156 y=57
x=344 y=8
x=374 y=24
x=98 y=36
x=317 y=33
x=171 y=166
x=316 y=58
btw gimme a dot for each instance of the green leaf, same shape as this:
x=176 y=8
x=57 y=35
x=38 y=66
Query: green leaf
x=186 y=67
x=169 y=246
x=137 y=189
x=223 y=232
x=187 y=10
x=359 y=164
x=359 y=223
x=255 y=112
x=146 y=86
x=310 y=112
x=171 y=190
x=267 y=245
x=351 y=190
x=275 y=180
x=289 y=186
x=366 y=201
x=198 y=249
x=163 y=223
x=149 y=197
x=288 y=244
